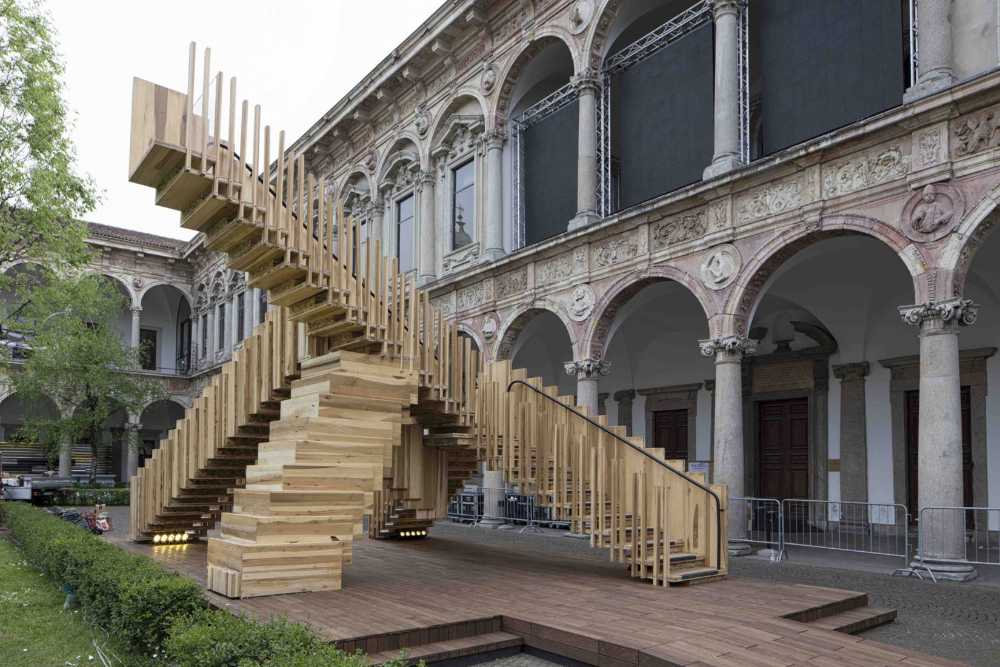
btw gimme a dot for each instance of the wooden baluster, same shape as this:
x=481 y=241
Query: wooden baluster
x=189 y=108
x=204 y=111
x=282 y=182
x=303 y=230
x=255 y=168
x=217 y=123
x=266 y=186
x=240 y=165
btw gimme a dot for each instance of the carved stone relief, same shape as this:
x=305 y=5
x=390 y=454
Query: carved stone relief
x=490 y=326
x=771 y=199
x=475 y=295
x=721 y=267
x=512 y=283
x=975 y=132
x=929 y=149
x=581 y=303
x=580 y=15
x=678 y=229
x=933 y=212
x=616 y=250
x=444 y=304
x=555 y=269
x=488 y=80
x=858 y=172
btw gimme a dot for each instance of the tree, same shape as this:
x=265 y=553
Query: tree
x=42 y=198
x=79 y=360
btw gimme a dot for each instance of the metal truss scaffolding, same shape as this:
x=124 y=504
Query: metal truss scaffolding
x=536 y=113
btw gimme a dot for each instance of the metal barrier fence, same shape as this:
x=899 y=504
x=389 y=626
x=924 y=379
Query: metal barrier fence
x=870 y=528
x=764 y=523
x=501 y=506
x=959 y=535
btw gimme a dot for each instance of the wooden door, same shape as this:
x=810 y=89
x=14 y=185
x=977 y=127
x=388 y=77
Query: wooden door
x=670 y=431
x=912 y=431
x=783 y=442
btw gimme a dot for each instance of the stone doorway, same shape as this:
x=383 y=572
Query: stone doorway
x=783 y=448
x=912 y=421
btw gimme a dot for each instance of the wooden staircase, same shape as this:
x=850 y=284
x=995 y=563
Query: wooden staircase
x=187 y=483
x=664 y=524
x=384 y=408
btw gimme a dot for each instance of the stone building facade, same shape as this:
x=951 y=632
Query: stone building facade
x=805 y=300
x=755 y=233
x=188 y=309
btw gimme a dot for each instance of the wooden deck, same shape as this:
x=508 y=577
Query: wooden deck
x=449 y=587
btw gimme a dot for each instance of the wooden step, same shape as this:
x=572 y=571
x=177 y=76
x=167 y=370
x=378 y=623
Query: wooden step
x=857 y=620
x=451 y=649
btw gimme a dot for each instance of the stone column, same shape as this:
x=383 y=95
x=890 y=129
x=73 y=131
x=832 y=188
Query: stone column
x=587 y=86
x=853 y=431
x=375 y=212
x=934 y=62
x=939 y=442
x=587 y=372
x=131 y=444
x=726 y=155
x=624 y=399
x=728 y=463
x=136 y=316
x=66 y=459
x=426 y=229
x=493 y=242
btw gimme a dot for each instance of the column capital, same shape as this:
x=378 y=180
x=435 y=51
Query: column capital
x=586 y=81
x=960 y=311
x=737 y=345
x=495 y=138
x=136 y=309
x=585 y=369
x=723 y=7
x=852 y=372
x=427 y=177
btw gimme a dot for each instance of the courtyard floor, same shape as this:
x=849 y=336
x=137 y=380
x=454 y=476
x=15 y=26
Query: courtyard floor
x=576 y=602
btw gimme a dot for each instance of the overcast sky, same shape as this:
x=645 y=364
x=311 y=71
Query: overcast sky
x=293 y=57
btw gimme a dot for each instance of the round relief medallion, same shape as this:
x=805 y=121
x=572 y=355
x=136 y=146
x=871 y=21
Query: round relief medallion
x=490 y=326
x=933 y=212
x=721 y=266
x=581 y=303
x=580 y=15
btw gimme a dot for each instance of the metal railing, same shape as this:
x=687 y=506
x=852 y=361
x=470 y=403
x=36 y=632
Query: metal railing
x=502 y=506
x=871 y=528
x=764 y=519
x=967 y=535
x=719 y=539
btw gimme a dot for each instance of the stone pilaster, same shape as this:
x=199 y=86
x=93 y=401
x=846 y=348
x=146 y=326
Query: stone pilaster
x=426 y=229
x=587 y=372
x=934 y=62
x=853 y=431
x=587 y=86
x=939 y=459
x=728 y=462
x=624 y=399
x=493 y=242
x=726 y=154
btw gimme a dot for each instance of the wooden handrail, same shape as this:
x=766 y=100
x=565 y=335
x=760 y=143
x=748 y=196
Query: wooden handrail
x=662 y=464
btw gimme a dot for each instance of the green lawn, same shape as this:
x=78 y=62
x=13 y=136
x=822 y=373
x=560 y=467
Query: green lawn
x=34 y=629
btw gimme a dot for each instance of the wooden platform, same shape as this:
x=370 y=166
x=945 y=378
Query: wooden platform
x=447 y=595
